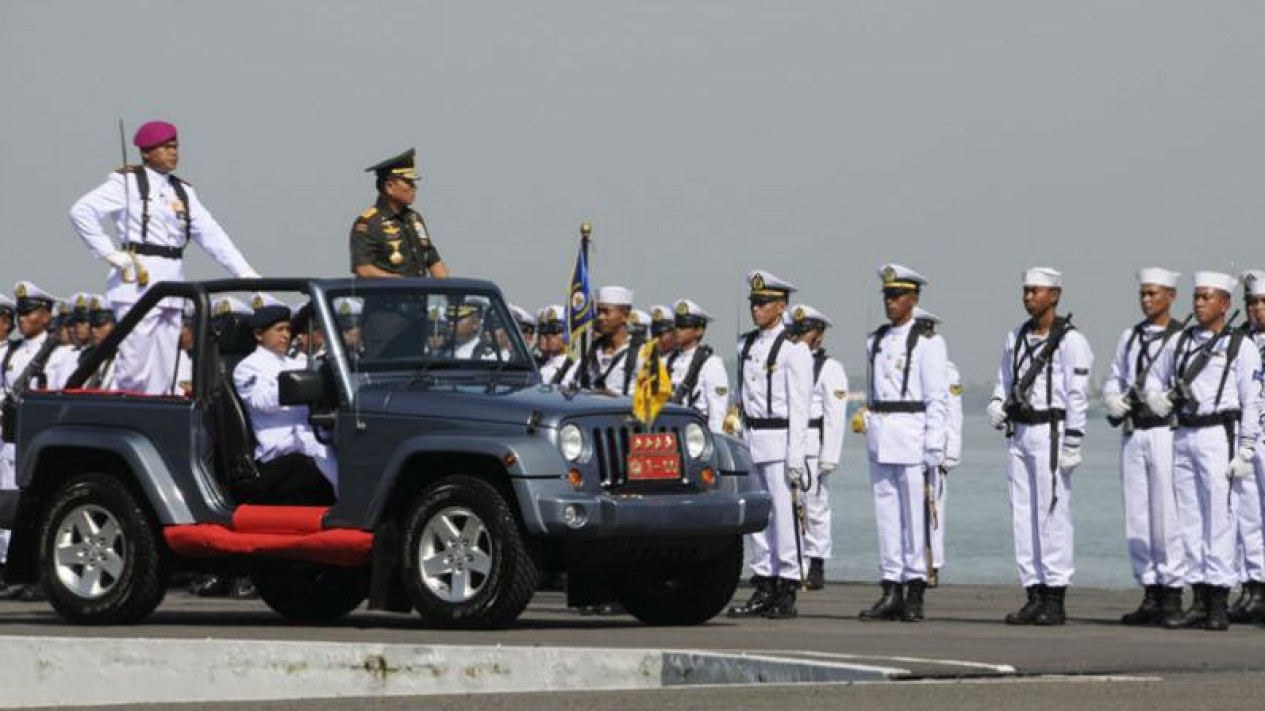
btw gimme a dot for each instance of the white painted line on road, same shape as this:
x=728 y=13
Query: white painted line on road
x=982 y=666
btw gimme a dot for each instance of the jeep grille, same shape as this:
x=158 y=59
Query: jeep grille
x=611 y=444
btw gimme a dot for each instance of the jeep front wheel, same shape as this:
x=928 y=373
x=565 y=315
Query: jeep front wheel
x=100 y=557
x=465 y=563
x=683 y=594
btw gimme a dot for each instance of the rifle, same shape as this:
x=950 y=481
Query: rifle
x=930 y=522
x=139 y=274
x=1182 y=394
x=1131 y=395
x=800 y=520
x=13 y=398
x=1018 y=403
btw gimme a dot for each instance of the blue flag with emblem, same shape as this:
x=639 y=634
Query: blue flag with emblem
x=580 y=312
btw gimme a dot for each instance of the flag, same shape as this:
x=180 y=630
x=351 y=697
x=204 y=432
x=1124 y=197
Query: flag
x=581 y=312
x=654 y=385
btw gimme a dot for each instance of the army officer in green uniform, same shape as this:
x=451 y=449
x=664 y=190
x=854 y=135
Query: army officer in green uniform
x=390 y=239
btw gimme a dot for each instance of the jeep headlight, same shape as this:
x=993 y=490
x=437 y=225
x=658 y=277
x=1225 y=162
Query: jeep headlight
x=695 y=440
x=571 y=442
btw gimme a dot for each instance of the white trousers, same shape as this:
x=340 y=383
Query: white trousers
x=1042 y=523
x=773 y=549
x=1151 y=524
x=817 y=514
x=8 y=482
x=940 y=482
x=1201 y=460
x=146 y=359
x=1250 y=507
x=899 y=514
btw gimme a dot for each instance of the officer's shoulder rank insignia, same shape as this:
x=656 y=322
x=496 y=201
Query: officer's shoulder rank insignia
x=361 y=226
x=841 y=394
x=722 y=391
x=955 y=390
x=368 y=213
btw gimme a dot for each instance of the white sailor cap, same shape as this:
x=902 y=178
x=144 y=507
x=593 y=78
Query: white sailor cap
x=1216 y=280
x=30 y=297
x=921 y=314
x=551 y=320
x=1043 y=276
x=638 y=320
x=806 y=318
x=615 y=296
x=690 y=314
x=1253 y=283
x=765 y=285
x=896 y=276
x=268 y=310
x=1159 y=277
x=226 y=305
x=7 y=304
x=524 y=317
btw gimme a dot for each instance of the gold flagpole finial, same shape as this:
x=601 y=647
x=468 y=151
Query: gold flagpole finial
x=586 y=229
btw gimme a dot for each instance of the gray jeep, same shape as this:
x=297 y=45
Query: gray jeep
x=463 y=481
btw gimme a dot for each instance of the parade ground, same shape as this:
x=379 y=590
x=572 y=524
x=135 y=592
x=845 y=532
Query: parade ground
x=962 y=657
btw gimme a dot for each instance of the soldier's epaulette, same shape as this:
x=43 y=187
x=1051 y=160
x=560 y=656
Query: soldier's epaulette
x=927 y=326
x=368 y=213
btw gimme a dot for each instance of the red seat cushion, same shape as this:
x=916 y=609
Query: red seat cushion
x=282 y=531
x=249 y=518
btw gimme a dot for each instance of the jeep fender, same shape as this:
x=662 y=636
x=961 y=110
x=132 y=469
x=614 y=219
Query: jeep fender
x=141 y=456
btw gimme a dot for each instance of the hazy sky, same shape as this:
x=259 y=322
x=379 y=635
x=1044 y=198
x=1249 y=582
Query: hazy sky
x=816 y=139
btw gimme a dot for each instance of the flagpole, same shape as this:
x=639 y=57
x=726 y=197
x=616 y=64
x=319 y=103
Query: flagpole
x=586 y=230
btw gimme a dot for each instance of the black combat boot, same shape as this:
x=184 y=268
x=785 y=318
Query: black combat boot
x=889 y=606
x=1254 y=613
x=1194 y=616
x=762 y=598
x=914 y=590
x=783 y=606
x=816 y=574
x=1051 y=612
x=1149 y=612
x=1026 y=614
x=1218 y=617
x=1249 y=597
x=1170 y=604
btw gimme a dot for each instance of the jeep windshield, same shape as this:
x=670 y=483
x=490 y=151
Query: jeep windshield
x=422 y=330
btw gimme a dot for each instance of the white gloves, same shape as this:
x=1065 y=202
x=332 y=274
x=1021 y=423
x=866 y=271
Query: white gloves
x=825 y=468
x=1160 y=403
x=120 y=260
x=1070 y=457
x=1241 y=466
x=996 y=414
x=949 y=464
x=932 y=458
x=797 y=478
x=1117 y=405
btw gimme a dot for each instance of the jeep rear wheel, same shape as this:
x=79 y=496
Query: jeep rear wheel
x=464 y=560
x=101 y=561
x=683 y=594
x=307 y=592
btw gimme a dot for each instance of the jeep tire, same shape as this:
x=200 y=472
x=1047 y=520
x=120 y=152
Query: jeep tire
x=101 y=559
x=682 y=593
x=465 y=564
x=308 y=592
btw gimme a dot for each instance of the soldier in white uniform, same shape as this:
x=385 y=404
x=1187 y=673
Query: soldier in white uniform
x=612 y=362
x=157 y=215
x=35 y=312
x=294 y=467
x=775 y=384
x=1152 y=527
x=663 y=328
x=1210 y=375
x=527 y=325
x=698 y=375
x=1250 y=606
x=905 y=436
x=952 y=457
x=551 y=329
x=1042 y=395
x=827 y=419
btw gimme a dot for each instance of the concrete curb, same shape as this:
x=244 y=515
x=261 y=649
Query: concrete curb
x=50 y=671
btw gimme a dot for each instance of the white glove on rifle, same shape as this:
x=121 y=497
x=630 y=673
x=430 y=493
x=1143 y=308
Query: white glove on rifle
x=1117 y=405
x=1160 y=403
x=121 y=260
x=932 y=458
x=949 y=464
x=1070 y=457
x=996 y=414
x=1242 y=465
x=826 y=468
x=797 y=478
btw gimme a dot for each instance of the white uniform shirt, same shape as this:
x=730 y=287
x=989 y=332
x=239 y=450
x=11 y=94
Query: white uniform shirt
x=549 y=370
x=615 y=367
x=166 y=228
x=62 y=364
x=953 y=423
x=830 y=404
x=279 y=429
x=904 y=437
x=790 y=399
x=711 y=391
x=1243 y=383
x=1071 y=365
x=1130 y=353
x=56 y=369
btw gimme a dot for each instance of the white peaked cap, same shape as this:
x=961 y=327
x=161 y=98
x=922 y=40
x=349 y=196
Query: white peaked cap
x=688 y=309
x=1043 y=276
x=522 y=315
x=1159 y=277
x=1254 y=282
x=262 y=299
x=765 y=283
x=804 y=312
x=551 y=313
x=230 y=305
x=637 y=317
x=898 y=276
x=615 y=296
x=1216 y=280
x=659 y=312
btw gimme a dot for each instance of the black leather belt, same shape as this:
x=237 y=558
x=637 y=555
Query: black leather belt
x=817 y=423
x=155 y=250
x=1039 y=417
x=767 y=423
x=1150 y=422
x=1216 y=419
x=886 y=406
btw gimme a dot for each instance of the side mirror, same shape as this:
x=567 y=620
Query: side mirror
x=300 y=387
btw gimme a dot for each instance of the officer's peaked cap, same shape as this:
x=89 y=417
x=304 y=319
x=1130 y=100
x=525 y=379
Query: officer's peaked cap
x=401 y=166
